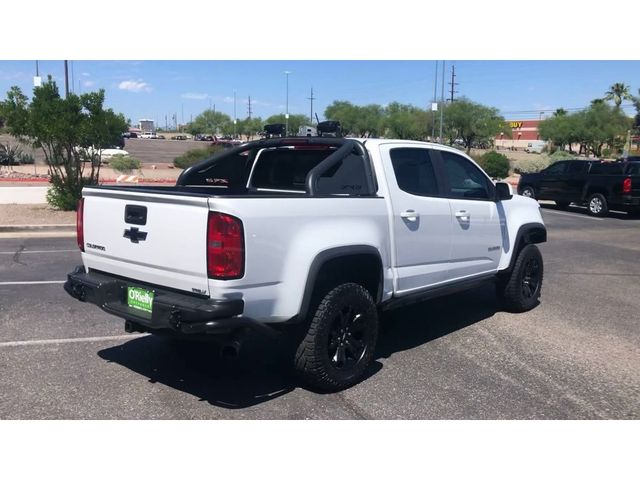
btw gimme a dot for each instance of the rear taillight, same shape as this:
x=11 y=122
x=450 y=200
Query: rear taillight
x=225 y=247
x=80 y=224
x=626 y=185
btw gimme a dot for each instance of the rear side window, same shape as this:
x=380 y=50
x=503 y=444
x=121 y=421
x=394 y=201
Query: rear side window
x=465 y=179
x=576 y=168
x=606 y=169
x=414 y=171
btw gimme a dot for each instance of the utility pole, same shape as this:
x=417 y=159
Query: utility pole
x=311 y=98
x=453 y=81
x=442 y=103
x=249 y=108
x=73 y=82
x=286 y=115
x=66 y=79
x=435 y=101
x=235 y=118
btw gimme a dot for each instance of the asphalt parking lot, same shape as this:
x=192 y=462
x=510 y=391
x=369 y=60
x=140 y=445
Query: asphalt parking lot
x=575 y=356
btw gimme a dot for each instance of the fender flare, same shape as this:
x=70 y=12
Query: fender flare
x=528 y=233
x=326 y=255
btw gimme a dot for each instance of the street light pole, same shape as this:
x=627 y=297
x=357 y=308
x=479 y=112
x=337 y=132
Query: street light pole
x=235 y=119
x=286 y=115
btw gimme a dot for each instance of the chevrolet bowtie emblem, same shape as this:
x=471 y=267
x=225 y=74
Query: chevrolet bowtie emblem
x=135 y=235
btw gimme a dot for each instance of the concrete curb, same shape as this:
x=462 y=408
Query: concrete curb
x=69 y=227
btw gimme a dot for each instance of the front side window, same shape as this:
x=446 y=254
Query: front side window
x=414 y=171
x=465 y=179
x=556 y=168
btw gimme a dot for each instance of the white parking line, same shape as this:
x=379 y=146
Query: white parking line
x=39 y=251
x=571 y=215
x=60 y=341
x=46 y=282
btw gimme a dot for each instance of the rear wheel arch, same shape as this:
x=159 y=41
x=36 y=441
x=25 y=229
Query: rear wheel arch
x=361 y=264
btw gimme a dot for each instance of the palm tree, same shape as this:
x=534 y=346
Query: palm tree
x=618 y=92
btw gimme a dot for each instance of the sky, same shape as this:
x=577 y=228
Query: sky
x=158 y=89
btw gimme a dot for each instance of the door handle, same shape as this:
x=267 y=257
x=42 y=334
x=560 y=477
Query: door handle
x=410 y=215
x=463 y=215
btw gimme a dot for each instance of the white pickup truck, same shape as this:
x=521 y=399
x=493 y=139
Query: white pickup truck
x=314 y=237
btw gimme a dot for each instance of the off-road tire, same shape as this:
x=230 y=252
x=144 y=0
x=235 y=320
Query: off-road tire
x=313 y=360
x=597 y=205
x=517 y=291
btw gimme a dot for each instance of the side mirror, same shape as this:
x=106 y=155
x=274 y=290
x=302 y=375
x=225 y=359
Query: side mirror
x=503 y=191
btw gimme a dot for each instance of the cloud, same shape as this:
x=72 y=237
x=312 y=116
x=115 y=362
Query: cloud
x=134 y=86
x=85 y=74
x=194 y=96
x=227 y=99
x=88 y=83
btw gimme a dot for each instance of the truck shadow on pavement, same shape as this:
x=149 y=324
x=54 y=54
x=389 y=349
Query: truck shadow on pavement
x=263 y=372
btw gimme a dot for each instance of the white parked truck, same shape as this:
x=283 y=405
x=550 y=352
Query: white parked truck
x=307 y=237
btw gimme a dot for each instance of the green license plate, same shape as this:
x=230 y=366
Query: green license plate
x=140 y=299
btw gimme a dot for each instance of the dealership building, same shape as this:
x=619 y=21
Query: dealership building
x=522 y=133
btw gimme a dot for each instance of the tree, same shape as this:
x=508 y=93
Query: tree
x=560 y=129
x=370 y=120
x=472 y=122
x=560 y=112
x=406 y=122
x=600 y=125
x=347 y=114
x=70 y=131
x=250 y=127
x=618 y=92
x=211 y=122
x=295 y=121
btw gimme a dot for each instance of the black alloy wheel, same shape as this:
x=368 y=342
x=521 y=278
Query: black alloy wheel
x=531 y=278
x=347 y=338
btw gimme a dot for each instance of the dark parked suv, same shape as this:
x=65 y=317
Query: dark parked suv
x=598 y=185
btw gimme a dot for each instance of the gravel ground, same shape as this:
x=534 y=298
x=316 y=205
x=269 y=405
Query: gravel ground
x=38 y=214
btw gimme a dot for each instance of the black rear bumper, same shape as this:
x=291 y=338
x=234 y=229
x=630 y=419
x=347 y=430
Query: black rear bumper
x=172 y=311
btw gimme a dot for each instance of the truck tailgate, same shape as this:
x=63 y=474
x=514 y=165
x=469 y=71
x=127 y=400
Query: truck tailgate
x=161 y=242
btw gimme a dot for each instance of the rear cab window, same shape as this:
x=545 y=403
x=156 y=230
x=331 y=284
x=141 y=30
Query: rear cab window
x=414 y=171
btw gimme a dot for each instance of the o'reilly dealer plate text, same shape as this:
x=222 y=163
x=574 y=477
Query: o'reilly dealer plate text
x=140 y=299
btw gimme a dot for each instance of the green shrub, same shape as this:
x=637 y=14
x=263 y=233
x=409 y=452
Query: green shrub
x=195 y=155
x=9 y=155
x=531 y=165
x=606 y=153
x=26 y=159
x=495 y=164
x=560 y=155
x=65 y=195
x=124 y=163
